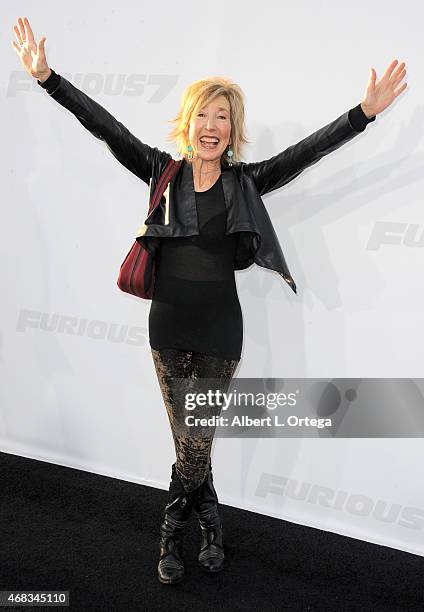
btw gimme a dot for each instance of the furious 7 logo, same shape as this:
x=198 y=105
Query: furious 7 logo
x=389 y=232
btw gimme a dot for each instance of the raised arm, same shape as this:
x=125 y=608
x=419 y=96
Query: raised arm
x=136 y=156
x=284 y=167
x=275 y=172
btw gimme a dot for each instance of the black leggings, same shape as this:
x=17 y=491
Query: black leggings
x=192 y=444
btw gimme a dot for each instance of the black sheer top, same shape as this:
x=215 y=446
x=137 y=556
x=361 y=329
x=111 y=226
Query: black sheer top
x=195 y=305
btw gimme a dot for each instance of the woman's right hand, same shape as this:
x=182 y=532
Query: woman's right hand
x=30 y=53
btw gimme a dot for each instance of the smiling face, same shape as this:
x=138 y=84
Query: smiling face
x=211 y=125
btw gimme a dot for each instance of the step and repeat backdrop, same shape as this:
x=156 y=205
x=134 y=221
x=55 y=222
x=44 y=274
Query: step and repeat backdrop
x=79 y=386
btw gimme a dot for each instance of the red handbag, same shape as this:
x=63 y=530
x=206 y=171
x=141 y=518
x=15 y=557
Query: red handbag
x=138 y=270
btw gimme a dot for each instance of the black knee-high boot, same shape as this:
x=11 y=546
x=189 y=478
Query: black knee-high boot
x=205 y=503
x=176 y=516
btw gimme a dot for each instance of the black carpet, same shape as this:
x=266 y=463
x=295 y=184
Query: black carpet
x=98 y=537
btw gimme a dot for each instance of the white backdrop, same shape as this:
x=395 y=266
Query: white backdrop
x=78 y=381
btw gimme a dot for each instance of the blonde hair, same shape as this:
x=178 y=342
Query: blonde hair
x=199 y=94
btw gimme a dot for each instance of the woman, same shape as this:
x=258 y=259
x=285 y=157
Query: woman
x=211 y=221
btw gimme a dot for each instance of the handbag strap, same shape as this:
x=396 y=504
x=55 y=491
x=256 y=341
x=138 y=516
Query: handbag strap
x=166 y=176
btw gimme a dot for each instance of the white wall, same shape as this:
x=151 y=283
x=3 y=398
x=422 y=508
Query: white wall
x=86 y=400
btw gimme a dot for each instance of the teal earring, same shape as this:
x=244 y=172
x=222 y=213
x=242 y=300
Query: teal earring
x=190 y=152
x=229 y=155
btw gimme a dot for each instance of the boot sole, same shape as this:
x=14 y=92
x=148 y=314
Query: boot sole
x=177 y=581
x=211 y=571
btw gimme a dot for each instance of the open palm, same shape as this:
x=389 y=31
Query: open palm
x=31 y=53
x=380 y=94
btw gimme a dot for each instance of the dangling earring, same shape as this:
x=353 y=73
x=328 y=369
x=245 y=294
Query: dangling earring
x=190 y=153
x=229 y=155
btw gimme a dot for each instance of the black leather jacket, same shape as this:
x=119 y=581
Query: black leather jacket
x=243 y=183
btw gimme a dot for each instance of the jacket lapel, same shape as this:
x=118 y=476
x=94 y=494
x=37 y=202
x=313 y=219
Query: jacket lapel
x=176 y=214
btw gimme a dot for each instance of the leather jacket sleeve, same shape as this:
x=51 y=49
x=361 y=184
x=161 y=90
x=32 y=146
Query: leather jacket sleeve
x=275 y=172
x=136 y=156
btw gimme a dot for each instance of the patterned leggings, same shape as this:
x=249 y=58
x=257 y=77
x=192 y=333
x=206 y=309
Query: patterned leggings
x=192 y=444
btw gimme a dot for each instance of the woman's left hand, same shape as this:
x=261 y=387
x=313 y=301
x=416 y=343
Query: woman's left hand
x=378 y=96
